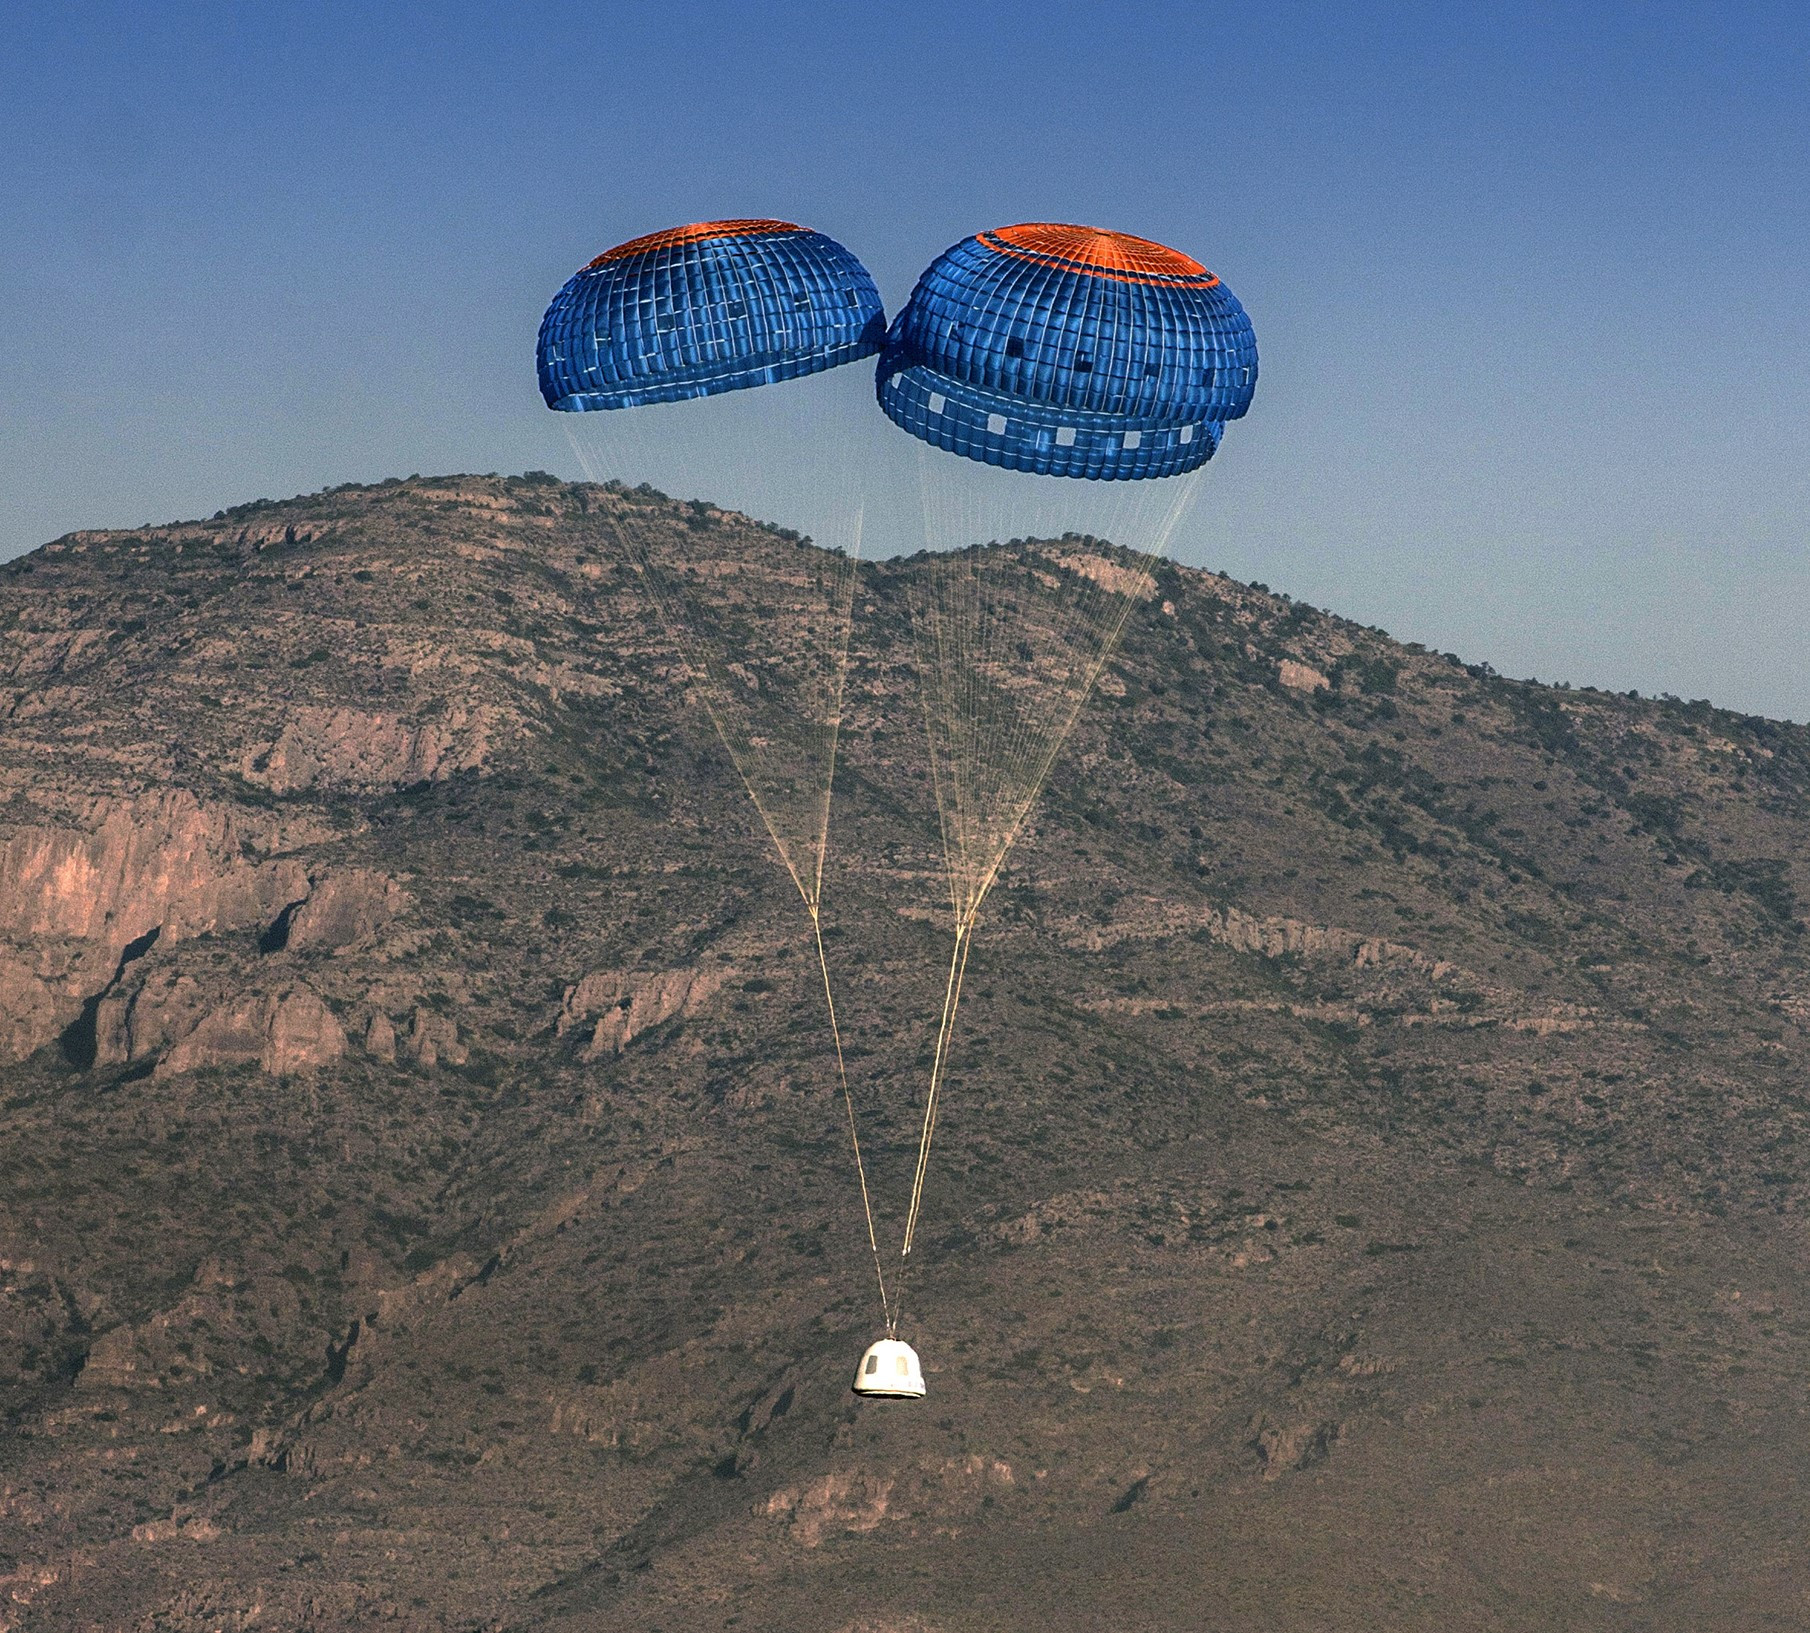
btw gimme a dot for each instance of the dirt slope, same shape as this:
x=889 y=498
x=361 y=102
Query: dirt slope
x=1369 y=1193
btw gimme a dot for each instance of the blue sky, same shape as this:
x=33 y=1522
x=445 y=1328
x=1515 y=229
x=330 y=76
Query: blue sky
x=1529 y=282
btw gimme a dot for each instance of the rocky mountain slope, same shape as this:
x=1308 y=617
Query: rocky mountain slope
x=1369 y=1194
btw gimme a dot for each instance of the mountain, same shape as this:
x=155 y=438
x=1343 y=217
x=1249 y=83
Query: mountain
x=1369 y=1192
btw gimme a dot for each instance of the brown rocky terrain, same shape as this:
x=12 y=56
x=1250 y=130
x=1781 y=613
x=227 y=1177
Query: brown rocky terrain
x=1369 y=1192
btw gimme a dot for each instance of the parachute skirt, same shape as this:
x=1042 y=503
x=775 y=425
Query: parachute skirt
x=739 y=377
x=1020 y=435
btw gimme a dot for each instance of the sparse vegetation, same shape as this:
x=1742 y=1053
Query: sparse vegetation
x=1357 y=1081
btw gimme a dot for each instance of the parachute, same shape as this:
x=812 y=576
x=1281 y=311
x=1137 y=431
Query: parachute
x=1067 y=385
x=654 y=349
x=700 y=310
x=1068 y=351
x=712 y=357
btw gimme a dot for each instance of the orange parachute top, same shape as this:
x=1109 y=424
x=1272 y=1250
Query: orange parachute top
x=674 y=236
x=1116 y=255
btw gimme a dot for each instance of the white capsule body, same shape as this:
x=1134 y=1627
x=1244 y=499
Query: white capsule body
x=890 y=1370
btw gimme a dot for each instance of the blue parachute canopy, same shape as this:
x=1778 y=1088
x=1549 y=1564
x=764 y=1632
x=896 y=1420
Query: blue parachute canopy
x=1069 y=351
x=713 y=307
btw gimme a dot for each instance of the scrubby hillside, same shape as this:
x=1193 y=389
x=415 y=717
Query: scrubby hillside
x=1369 y=1193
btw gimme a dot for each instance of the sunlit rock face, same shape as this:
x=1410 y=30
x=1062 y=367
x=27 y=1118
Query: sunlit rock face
x=1367 y=1188
x=78 y=897
x=281 y=1033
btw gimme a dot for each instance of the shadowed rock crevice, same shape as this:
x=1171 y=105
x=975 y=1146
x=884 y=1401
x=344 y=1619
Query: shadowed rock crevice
x=338 y=1354
x=80 y=1040
x=1133 y=1493
x=276 y=935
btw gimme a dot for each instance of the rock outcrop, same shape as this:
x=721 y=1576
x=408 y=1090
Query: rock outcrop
x=281 y=1033
x=835 y=1504
x=626 y=1005
x=76 y=899
x=358 y=749
x=1269 y=935
x=1301 y=677
x=431 y=1039
x=163 y=861
x=344 y=909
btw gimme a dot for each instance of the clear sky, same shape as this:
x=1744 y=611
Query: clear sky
x=1530 y=282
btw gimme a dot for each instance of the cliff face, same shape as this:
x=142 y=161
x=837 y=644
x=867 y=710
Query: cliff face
x=1369 y=1191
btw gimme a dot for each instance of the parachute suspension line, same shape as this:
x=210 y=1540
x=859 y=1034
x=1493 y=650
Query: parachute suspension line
x=939 y=774
x=888 y=1313
x=952 y=997
x=690 y=651
x=1112 y=632
x=741 y=743
x=1002 y=694
x=843 y=620
x=1002 y=697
